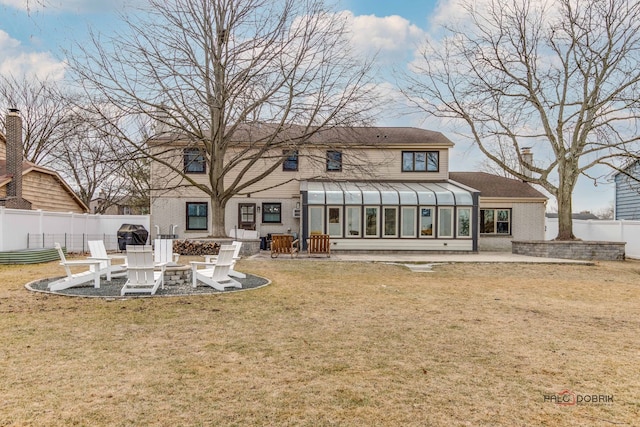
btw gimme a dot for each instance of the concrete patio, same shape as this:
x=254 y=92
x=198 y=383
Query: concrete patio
x=482 y=257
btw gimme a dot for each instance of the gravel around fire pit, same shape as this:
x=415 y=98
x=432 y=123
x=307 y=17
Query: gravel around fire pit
x=112 y=289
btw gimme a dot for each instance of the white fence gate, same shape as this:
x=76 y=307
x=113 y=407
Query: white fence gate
x=602 y=230
x=21 y=229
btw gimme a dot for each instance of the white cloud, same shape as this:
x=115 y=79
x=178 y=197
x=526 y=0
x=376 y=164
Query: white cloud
x=16 y=4
x=448 y=11
x=456 y=12
x=391 y=37
x=16 y=61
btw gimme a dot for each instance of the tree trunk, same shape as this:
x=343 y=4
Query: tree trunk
x=217 y=218
x=565 y=208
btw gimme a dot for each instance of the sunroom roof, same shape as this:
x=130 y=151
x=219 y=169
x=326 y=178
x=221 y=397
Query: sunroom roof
x=387 y=193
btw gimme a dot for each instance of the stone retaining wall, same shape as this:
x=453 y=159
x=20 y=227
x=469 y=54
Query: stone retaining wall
x=577 y=249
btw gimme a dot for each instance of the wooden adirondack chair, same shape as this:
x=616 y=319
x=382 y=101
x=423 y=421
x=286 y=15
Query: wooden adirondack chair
x=99 y=252
x=76 y=279
x=216 y=274
x=319 y=244
x=142 y=276
x=284 y=244
x=236 y=256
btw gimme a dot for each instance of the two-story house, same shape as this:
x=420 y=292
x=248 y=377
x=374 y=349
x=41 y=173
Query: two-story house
x=380 y=188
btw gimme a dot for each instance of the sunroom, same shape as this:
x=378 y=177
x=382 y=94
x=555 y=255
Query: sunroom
x=391 y=216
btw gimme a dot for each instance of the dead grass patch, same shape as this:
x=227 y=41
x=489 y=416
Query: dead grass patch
x=330 y=343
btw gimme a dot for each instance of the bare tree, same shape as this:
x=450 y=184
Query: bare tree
x=96 y=166
x=59 y=136
x=562 y=77
x=243 y=81
x=606 y=212
x=45 y=111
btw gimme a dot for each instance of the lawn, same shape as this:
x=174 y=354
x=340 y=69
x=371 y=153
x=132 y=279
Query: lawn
x=332 y=344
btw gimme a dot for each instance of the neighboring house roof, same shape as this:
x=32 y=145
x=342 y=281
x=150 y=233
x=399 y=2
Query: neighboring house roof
x=581 y=215
x=496 y=186
x=122 y=202
x=344 y=135
x=28 y=167
x=624 y=169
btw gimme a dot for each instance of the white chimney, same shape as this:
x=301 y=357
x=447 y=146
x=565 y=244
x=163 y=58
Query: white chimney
x=527 y=162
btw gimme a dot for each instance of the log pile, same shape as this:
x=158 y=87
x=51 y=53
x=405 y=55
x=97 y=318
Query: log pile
x=194 y=247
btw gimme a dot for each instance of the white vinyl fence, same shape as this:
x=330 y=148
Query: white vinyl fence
x=24 y=229
x=602 y=230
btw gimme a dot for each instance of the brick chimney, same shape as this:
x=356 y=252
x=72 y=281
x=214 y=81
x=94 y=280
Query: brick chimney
x=15 y=153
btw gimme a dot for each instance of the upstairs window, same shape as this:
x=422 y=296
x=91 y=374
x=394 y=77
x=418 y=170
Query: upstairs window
x=291 y=161
x=420 y=161
x=194 y=161
x=334 y=161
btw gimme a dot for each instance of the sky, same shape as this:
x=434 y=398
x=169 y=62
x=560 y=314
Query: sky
x=34 y=35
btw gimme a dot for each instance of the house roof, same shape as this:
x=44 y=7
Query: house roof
x=389 y=192
x=496 y=186
x=32 y=167
x=581 y=215
x=382 y=135
x=624 y=170
x=344 y=135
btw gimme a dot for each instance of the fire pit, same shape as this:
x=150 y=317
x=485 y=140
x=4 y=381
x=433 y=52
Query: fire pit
x=177 y=275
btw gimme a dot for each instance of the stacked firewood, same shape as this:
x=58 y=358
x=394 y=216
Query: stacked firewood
x=195 y=247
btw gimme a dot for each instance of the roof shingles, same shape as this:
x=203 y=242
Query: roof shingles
x=496 y=186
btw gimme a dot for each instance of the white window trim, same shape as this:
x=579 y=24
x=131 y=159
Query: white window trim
x=384 y=222
x=458 y=235
x=440 y=209
x=433 y=222
x=359 y=216
x=413 y=225
x=495 y=221
x=364 y=223
x=341 y=223
x=509 y=222
x=321 y=210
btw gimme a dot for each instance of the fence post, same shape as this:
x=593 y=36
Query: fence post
x=2 y=220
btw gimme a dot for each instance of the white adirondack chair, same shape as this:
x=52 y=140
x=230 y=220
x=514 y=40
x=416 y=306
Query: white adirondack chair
x=236 y=256
x=76 y=279
x=99 y=252
x=216 y=274
x=142 y=277
x=163 y=252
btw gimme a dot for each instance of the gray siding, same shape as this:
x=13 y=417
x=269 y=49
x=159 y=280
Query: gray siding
x=527 y=223
x=628 y=194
